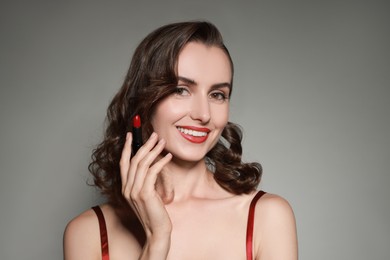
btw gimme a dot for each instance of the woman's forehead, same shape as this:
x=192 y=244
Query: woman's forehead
x=200 y=62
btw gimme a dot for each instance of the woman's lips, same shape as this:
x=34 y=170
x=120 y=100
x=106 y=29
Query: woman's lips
x=194 y=134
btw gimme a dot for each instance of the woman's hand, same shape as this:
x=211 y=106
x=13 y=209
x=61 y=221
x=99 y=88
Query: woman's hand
x=139 y=175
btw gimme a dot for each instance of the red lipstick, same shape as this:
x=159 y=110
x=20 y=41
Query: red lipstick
x=194 y=134
x=137 y=134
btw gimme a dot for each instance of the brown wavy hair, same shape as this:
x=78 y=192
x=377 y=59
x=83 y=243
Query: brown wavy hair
x=151 y=77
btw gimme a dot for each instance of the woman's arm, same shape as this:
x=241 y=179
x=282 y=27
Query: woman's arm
x=276 y=236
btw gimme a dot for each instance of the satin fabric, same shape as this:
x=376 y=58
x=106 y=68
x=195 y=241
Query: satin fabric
x=250 y=225
x=103 y=233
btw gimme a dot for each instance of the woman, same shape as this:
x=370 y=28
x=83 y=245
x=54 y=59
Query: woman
x=185 y=194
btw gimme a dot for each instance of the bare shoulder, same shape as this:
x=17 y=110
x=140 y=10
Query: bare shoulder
x=272 y=205
x=82 y=237
x=275 y=228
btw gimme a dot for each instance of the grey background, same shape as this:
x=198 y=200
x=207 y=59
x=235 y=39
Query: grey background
x=311 y=91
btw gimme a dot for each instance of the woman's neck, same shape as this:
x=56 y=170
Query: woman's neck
x=180 y=181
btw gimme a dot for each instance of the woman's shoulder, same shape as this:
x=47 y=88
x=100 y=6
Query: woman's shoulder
x=275 y=226
x=82 y=234
x=88 y=220
x=273 y=209
x=272 y=203
x=82 y=237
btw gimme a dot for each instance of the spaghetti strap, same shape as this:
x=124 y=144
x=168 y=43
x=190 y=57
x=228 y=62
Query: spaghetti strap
x=103 y=233
x=250 y=225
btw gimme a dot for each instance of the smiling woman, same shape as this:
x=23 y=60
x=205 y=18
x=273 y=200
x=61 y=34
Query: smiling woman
x=185 y=194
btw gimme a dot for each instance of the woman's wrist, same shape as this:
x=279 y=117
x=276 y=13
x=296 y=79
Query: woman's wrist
x=156 y=248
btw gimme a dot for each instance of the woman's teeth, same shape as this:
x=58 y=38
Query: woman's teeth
x=191 y=132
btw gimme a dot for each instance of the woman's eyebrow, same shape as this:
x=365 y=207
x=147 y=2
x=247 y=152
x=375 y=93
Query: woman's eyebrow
x=214 y=86
x=187 y=80
x=222 y=85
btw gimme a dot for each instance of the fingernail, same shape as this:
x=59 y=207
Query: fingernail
x=127 y=135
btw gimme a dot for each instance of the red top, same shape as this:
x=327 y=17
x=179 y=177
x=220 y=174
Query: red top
x=103 y=233
x=250 y=225
x=249 y=229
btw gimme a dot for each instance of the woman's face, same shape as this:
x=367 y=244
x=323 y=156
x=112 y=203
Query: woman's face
x=192 y=119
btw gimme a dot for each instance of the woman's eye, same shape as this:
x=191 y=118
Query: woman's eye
x=182 y=91
x=219 y=96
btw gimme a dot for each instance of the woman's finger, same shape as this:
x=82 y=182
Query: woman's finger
x=124 y=162
x=154 y=171
x=142 y=152
x=144 y=166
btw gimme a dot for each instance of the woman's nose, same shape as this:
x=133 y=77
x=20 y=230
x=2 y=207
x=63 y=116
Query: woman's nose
x=200 y=109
